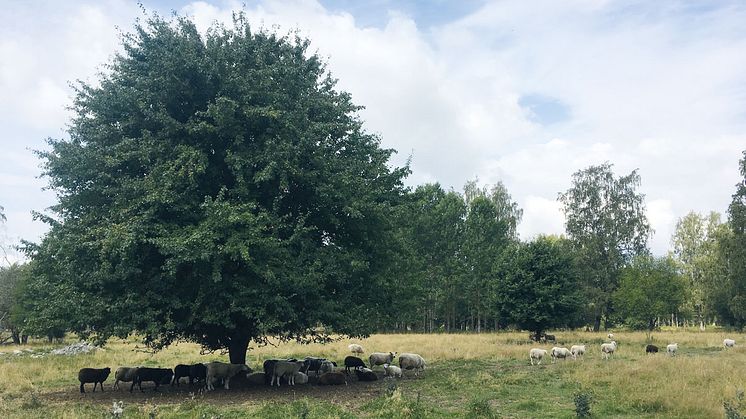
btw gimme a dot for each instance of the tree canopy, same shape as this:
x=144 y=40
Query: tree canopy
x=217 y=189
x=605 y=219
x=649 y=288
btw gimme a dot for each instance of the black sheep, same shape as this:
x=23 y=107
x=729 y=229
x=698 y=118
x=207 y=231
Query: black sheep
x=651 y=349
x=197 y=372
x=353 y=362
x=93 y=375
x=366 y=375
x=156 y=375
x=313 y=364
x=332 y=378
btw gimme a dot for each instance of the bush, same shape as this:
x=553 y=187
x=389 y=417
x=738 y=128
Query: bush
x=582 y=404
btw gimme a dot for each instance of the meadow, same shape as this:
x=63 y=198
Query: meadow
x=468 y=375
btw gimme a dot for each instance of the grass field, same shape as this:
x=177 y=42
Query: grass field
x=468 y=375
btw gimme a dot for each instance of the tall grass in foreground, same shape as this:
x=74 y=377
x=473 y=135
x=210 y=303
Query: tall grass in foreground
x=467 y=374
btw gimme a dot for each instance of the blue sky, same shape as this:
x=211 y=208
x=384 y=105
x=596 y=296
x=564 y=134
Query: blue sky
x=523 y=92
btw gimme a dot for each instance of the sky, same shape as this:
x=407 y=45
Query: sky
x=522 y=92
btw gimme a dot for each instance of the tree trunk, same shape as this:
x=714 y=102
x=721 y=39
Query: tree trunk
x=237 y=349
x=24 y=339
x=16 y=337
x=597 y=323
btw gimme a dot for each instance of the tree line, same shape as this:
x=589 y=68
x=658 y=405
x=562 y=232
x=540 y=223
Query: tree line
x=218 y=188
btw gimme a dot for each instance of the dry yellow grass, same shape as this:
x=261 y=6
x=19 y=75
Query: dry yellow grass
x=695 y=382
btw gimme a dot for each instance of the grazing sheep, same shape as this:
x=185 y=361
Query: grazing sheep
x=355 y=348
x=353 y=362
x=332 y=378
x=392 y=371
x=221 y=370
x=608 y=349
x=558 y=353
x=672 y=348
x=577 y=350
x=414 y=362
x=93 y=375
x=537 y=354
x=380 y=358
x=729 y=343
x=366 y=375
x=157 y=376
x=286 y=369
x=125 y=374
x=651 y=349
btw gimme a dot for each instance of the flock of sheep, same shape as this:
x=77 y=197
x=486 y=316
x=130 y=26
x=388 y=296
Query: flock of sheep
x=607 y=350
x=291 y=371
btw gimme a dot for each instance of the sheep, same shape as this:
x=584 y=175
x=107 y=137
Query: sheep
x=326 y=366
x=672 y=348
x=286 y=369
x=536 y=354
x=610 y=336
x=353 y=362
x=380 y=358
x=550 y=338
x=408 y=361
x=608 y=349
x=300 y=378
x=729 y=343
x=651 y=349
x=93 y=375
x=314 y=364
x=256 y=378
x=577 y=350
x=218 y=370
x=156 y=375
x=180 y=370
x=356 y=349
x=197 y=372
x=269 y=367
x=332 y=378
x=125 y=374
x=366 y=375
x=558 y=352
x=392 y=371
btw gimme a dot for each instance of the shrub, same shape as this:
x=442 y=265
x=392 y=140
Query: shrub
x=582 y=404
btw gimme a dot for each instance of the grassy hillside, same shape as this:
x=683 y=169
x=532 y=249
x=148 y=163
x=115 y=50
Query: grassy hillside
x=467 y=375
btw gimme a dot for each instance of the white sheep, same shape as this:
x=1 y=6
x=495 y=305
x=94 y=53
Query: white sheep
x=392 y=371
x=300 y=378
x=125 y=374
x=558 y=352
x=537 y=354
x=577 y=350
x=380 y=358
x=408 y=361
x=729 y=343
x=326 y=366
x=608 y=349
x=610 y=336
x=672 y=348
x=221 y=370
x=285 y=369
x=355 y=348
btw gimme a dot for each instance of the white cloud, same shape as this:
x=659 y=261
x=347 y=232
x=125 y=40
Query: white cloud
x=648 y=85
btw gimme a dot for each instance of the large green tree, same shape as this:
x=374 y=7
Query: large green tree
x=11 y=278
x=605 y=219
x=696 y=251
x=217 y=189
x=536 y=285
x=731 y=295
x=649 y=288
